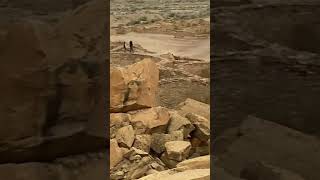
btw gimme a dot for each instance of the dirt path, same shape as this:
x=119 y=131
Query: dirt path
x=198 y=48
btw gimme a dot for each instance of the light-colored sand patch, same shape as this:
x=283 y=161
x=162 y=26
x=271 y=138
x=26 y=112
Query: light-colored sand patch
x=197 y=48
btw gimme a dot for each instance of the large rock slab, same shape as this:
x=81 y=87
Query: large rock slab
x=118 y=120
x=196 y=174
x=81 y=167
x=134 y=87
x=143 y=142
x=202 y=126
x=152 y=120
x=177 y=150
x=178 y=122
x=262 y=171
x=125 y=136
x=116 y=154
x=202 y=162
x=158 y=140
x=260 y=140
x=193 y=106
x=24 y=81
x=35 y=171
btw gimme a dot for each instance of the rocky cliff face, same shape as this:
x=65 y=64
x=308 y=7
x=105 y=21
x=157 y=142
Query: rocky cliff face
x=265 y=62
x=51 y=107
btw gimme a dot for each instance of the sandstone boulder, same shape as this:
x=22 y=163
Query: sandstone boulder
x=116 y=154
x=193 y=106
x=170 y=163
x=140 y=168
x=143 y=142
x=178 y=122
x=202 y=162
x=150 y=120
x=134 y=87
x=177 y=150
x=202 y=126
x=158 y=140
x=118 y=120
x=196 y=174
x=125 y=136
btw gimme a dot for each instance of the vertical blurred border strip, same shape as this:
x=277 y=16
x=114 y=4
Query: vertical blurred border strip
x=211 y=91
x=106 y=87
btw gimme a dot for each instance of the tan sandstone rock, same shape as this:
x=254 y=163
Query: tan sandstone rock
x=202 y=126
x=150 y=120
x=134 y=87
x=118 y=120
x=116 y=154
x=143 y=142
x=193 y=106
x=159 y=140
x=125 y=136
x=202 y=162
x=177 y=150
x=196 y=174
x=178 y=122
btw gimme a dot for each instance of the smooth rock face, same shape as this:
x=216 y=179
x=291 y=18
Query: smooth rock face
x=197 y=174
x=260 y=170
x=193 y=106
x=80 y=167
x=116 y=154
x=271 y=143
x=202 y=162
x=35 y=171
x=125 y=136
x=177 y=150
x=219 y=173
x=202 y=126
x=150 y=120
x=134 y=87
x=24 y=81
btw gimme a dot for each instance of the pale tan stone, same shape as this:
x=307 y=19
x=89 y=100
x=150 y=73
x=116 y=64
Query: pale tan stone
x=193 y=106
x=116 y=153
x=125 y=136
x=134 y=87
x=177 y=150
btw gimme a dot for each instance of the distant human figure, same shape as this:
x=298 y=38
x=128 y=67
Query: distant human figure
x=124 y=46
x=131 y=46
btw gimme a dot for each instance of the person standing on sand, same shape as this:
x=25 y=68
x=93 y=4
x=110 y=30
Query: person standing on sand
x=124 y=46
x=131 y=46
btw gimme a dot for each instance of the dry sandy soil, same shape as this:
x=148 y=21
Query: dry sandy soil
x=173 y=33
